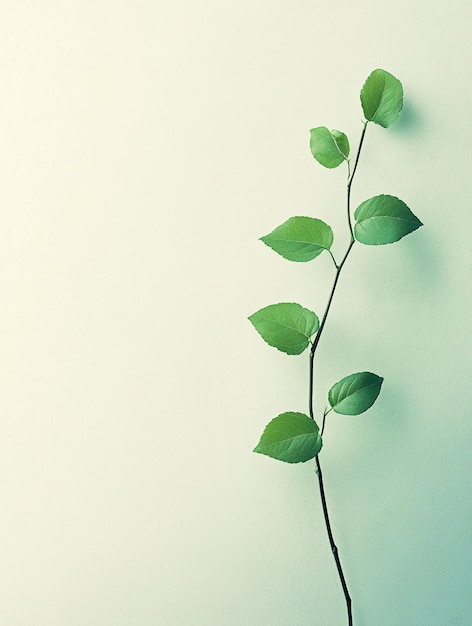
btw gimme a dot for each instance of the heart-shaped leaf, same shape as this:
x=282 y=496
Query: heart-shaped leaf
x=300 y=238
x=290 y=437
x=383 y=219
x=329 y=147
x=382 y=98
x=286 y=326
x=355 y=394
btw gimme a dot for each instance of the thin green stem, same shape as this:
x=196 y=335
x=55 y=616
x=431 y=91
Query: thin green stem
x=334 y=260
x=314 y=347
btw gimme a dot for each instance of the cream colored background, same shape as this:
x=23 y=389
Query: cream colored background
x=144 y=148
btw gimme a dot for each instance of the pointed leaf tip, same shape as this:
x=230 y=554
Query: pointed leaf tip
x=383 y=219
x=355 y=394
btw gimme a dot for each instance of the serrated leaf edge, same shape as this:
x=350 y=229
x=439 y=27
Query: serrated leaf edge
x=265 y=449
x=345 y=158
x=380 y=102
x=295 y=329
x=412 y=220
x=307 y=243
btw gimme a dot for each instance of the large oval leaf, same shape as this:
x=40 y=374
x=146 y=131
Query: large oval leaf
x=300 y=238
x=290 y=437
x=355 y=393
x=286 y=326
x=382 y=98
x=383 y=219
x=329 y=147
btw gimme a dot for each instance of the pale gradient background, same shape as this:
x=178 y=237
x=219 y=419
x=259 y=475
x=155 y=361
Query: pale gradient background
x=144 y=148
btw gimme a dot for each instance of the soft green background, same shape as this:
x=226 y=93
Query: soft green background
x=144 y=149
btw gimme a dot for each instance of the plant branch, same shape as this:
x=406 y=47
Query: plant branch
x=350 y=178
x=316 y=341
x=333 y=546
x=314 y=346
x=339 y=268
x=358 y=155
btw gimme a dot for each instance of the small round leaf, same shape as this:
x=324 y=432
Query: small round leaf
x=329 y=147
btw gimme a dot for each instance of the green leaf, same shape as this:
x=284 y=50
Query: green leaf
x=382 y=98
x=329 y=147
x=290 y=437
x=355 y=393
x=286 y=326
x=383 y=219
x=300 y=238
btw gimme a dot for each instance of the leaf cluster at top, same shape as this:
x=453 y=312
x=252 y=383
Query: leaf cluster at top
x=383 y=219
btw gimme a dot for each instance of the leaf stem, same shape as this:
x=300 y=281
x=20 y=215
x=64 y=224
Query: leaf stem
x=325 y=413
x=314 y=346
x=334 y=260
